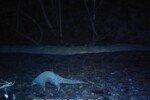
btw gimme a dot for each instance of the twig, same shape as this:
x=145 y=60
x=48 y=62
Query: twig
x=27 y=37
x=60 y=24
x=6 y=84
x=92 y=20
x=45 y=16
x=39 y=27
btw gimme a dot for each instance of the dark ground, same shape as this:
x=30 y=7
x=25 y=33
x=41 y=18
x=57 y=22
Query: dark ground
x=117 y=76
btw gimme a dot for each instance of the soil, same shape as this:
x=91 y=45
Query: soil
x=111 y=76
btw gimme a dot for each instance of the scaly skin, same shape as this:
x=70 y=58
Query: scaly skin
x=54 y=79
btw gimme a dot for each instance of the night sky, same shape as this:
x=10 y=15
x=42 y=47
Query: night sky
x=69 y=22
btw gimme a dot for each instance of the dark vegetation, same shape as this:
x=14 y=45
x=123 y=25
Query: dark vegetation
x=74 y=22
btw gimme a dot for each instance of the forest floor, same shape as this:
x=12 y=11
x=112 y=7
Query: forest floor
x=111 y=76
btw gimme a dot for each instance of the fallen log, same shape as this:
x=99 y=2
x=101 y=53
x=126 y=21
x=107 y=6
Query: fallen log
x=62 y=50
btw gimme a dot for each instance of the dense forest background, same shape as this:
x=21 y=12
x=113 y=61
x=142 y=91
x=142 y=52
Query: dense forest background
x=74 y=22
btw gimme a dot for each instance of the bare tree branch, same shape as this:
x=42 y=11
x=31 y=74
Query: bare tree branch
x=60 y=22
x=45 y=16
x=39 y=27
x=91 y=20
